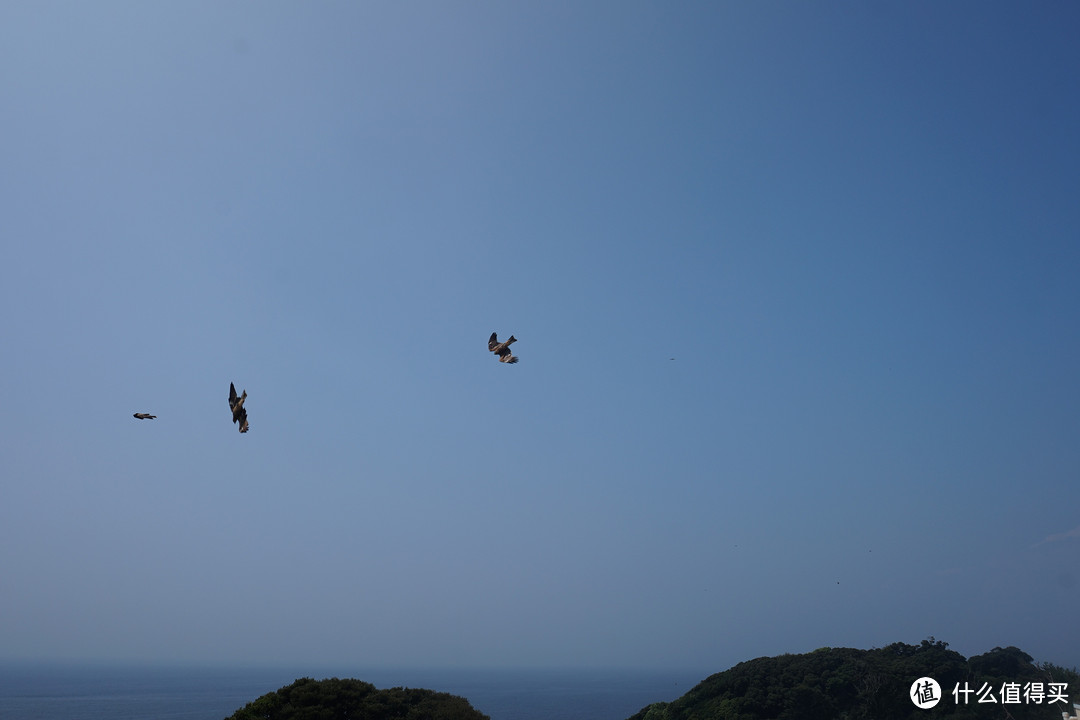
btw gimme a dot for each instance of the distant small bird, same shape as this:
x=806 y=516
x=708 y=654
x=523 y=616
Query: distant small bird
x=144 y=416
x=236 y=404
x=502 y=349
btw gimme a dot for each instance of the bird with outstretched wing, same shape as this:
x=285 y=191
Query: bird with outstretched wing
x=502 y=349
x=145 y=416
x=236 y=404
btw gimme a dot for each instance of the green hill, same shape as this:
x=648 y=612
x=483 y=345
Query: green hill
x=849 y=684
x=334 y=699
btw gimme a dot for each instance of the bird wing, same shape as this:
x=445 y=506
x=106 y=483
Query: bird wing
x=493 y=342
x=232 y=395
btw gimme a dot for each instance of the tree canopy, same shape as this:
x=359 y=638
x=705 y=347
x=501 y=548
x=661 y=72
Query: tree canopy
x=334 y=699
x=850 y=684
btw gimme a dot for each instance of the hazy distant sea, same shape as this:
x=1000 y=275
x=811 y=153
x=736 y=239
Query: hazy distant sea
x=84 y=692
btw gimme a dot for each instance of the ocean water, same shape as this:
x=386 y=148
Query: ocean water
x=84 y=692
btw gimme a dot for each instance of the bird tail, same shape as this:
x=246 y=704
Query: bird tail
x=511 y=359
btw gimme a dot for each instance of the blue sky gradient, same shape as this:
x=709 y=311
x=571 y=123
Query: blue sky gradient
x=795 y=287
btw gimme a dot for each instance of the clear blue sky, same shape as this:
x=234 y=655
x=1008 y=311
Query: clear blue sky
x=853 y=226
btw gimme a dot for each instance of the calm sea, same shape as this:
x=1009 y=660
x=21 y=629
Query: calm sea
x=73 y=692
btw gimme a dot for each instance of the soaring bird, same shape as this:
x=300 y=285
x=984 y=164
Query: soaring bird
x=145 y=416
x=502 y=349
x=236 y=404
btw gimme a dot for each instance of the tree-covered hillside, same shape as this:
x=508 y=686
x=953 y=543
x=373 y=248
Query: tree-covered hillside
x=335 y=699
x=849 y=684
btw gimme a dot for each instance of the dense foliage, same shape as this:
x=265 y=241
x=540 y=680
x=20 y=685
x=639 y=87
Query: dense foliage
x=849 y=684
x=335 y=699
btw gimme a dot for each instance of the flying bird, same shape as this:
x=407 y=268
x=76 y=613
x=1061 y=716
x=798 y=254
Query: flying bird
x=236 y=404
x=502 y=349
x=145 y=416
